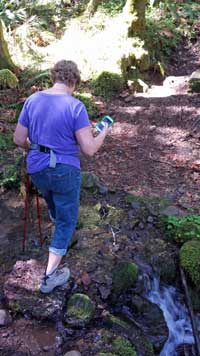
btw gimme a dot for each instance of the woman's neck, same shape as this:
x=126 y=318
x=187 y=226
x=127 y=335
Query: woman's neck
x=60 y=88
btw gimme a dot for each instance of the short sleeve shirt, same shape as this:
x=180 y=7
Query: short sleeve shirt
x=52 y=120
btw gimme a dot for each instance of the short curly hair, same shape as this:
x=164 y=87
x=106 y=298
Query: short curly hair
x=66 y=72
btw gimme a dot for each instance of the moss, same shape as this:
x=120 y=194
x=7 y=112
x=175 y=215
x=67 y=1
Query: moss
x=80 y=309
x=107 y=84
x=8 y=79
x=89 y=216
x=114 y=215
x=6 y=141
x=190 y=260
x=89 y=103
x=124 y=277
x=123 y=347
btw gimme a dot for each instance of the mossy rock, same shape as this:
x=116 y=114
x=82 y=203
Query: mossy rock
x=8 y=79
x=89 y=180
x=114 y=215
x=87 y=100
x=107 y=84
x=124 y=277
x=80 y=310
x=89 y=216
x=123 y=347
x=190 y=260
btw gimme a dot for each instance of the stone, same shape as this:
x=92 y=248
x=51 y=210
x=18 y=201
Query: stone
x=124 y=277
x=5 y=318
x=172 y=211
x=21 y=291
x=80 y=310
x=72 y=353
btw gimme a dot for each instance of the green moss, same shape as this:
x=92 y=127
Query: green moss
x=107 y=84
x=114 y=215
x=123 y=347
x=124 y=277
x=190 y=260
x=89 y=216
x=80 y=309
x=8 y=79
x=89 y=103
x=10 y=175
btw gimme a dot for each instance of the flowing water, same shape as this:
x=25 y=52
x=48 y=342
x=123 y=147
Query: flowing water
x=176 y=316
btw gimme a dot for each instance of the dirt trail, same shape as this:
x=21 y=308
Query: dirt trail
x=151 y=151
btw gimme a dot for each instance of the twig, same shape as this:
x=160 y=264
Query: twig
x=114 y=236
x=191 y=313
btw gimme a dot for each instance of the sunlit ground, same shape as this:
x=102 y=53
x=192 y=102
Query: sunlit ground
x=95 y=44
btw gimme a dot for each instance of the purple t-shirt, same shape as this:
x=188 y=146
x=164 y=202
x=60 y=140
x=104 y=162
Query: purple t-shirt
x=52 y=120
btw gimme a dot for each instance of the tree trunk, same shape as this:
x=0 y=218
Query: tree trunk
x=135 y=9
x=92 y=7
x=5 y=58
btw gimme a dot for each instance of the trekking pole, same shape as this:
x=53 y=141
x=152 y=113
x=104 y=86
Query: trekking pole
x=38 y=218
x=26 y=213
x=26 y=207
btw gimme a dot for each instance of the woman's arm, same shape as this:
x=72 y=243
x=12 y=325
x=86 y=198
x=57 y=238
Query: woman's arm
x=20 y=136
x=88 y=143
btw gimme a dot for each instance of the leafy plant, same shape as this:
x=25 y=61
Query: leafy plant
x=182 y=229
x=190 y=258
x=107 y=84
x=89 y=104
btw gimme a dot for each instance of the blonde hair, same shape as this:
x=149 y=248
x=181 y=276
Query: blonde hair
x=66 y=72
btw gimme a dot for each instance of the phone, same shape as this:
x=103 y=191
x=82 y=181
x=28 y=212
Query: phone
x=106 y=119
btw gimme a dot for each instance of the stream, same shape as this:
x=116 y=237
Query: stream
x=180 y=337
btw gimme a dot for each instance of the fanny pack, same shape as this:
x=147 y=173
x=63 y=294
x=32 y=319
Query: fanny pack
x=44 y=149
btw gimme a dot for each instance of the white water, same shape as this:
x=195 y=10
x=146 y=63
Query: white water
x=175 y=314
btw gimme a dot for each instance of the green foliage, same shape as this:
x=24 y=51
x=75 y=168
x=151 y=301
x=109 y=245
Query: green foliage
x=190 y=260
x=111 y=6
x=89 y=103
x=166 y=26
x=107 y=84
x=6 y=141
x=42 y=78
x=182 y=229
x=123 y=347
x=7 y=79
x=11 y=12
x=9 y=177
x=124 y=277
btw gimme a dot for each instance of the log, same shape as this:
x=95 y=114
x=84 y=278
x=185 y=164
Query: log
x=191 y=312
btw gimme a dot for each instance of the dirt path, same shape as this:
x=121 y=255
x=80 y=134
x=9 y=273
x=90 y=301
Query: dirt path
x=151 y=151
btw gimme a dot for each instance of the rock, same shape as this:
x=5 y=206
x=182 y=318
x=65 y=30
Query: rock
x=150 y=316
x=124 y=277
x=189 y=259
x=194 y=82
x=172 y=211
x=5 y=318
x=22 y=293
x=80 y=310
x=89 y=216
x=89 y=180
x=72 y=353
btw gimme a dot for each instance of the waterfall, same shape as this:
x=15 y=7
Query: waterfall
x=175 y=314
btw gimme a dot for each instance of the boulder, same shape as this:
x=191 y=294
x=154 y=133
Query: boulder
x=22 y=293
x=80 y=310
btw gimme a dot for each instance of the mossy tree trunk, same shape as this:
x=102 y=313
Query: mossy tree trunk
x=135 y=9
x=92 y=6
x=5 y=57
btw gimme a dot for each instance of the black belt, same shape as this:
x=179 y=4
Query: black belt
x=44 y=149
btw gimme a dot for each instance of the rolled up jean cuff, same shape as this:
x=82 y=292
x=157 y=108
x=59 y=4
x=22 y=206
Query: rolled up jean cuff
x=58 y=251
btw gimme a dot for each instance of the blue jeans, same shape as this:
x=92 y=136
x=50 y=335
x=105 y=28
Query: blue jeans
x=60 y=187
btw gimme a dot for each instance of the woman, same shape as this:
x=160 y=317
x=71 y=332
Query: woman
x=52 y=125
